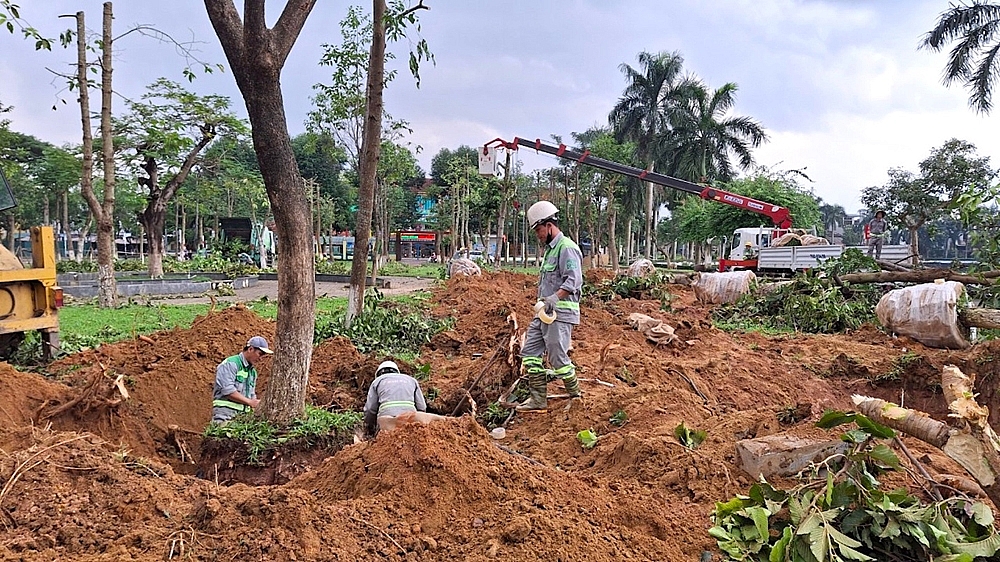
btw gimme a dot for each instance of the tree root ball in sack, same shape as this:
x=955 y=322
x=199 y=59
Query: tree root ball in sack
x=463 y=266
x=927 y=313
x=641 y=268
x=721 y=288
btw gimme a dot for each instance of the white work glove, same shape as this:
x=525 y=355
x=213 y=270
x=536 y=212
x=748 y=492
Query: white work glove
x=550 y=303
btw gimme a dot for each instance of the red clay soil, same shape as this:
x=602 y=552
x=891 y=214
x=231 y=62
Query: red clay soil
x=87 y=474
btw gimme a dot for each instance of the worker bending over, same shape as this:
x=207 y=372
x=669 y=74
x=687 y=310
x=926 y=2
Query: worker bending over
x=393 y=399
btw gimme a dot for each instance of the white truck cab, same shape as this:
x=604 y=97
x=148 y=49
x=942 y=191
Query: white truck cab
x=757 y=238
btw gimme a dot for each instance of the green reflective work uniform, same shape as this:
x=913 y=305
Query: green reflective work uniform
x=234 y=374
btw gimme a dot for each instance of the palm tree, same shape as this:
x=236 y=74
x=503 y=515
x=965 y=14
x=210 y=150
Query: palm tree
x=974 y=27
x=642 y=115
x=833 y=217
x=702 y=139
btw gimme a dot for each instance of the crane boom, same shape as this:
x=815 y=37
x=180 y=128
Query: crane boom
x=781 y=216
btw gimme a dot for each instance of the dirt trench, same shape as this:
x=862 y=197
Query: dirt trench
x=88 y=474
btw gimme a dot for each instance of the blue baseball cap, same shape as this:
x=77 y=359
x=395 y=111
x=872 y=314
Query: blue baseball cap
x=260 y=343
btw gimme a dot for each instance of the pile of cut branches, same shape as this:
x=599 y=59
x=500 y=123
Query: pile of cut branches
x=812 y=301
x=651 y=287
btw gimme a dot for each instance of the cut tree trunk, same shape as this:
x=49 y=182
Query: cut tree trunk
x=922 y=276
x=107 y=293
x=153 y=223
x=987 y=318
x=970 y=440
x=370 y=152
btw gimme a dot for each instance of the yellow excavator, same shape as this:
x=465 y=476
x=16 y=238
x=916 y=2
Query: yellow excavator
x=29 y=296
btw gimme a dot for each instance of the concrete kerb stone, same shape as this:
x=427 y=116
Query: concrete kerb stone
x=784 y=455
x=84 y=285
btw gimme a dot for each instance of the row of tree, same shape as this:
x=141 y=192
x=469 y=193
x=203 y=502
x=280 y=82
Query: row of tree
x=666 y=121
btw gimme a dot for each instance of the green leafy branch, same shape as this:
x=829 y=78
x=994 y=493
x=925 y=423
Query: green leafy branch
x=842 y=513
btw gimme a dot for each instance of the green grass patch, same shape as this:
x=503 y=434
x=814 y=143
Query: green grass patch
x=268 y=308
x=396 y=327
x=89 y=325
x=259 y=435
x=751 y=325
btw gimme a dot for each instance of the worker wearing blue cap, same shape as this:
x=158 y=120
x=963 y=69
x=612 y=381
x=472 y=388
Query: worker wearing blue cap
x=235 y=389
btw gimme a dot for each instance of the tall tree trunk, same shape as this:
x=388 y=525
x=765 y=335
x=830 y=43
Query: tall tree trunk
x=182 y=249
x=378 y=219
x=103 y=212
x=371 y=147
x=576 y=207
x=70 y=254
x=649 y=215
x=628 y=240
x=502 y=214
x=199 y=224
x=256 y=55
x=613 y=233
x=12 y=232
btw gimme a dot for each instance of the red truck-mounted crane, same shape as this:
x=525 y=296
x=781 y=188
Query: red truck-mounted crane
x=781 y=217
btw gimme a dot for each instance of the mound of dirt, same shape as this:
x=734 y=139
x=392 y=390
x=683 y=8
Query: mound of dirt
x=478 y=501
x=24 y=395
x=109 y=481
x=169 y=382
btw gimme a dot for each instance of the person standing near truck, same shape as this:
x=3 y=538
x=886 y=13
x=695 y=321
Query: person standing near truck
x=877 y=229
x=559 y=287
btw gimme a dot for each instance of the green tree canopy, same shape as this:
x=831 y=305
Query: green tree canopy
x=700 y=219
x=948 y=177
x=705 y=140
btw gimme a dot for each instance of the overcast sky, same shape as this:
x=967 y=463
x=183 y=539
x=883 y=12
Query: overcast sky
x=839 y=85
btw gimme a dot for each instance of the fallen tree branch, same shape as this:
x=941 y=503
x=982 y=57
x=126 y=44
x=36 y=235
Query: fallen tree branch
x=921 y=276
x=891 y=266
x=980 y=317
x=920 y=468
x=970 y=441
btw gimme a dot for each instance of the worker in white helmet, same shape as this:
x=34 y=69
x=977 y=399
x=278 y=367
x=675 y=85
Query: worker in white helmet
x=394 y=398
x=559 y=288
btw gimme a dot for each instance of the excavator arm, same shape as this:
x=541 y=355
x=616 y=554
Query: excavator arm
x=781 y=217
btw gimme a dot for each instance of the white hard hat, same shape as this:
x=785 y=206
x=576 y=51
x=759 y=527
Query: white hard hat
x=387 y=366
x=540 y=212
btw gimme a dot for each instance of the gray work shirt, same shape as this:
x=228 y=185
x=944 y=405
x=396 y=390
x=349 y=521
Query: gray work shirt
x=877 y=226
x=392 y=394
x=562 y=268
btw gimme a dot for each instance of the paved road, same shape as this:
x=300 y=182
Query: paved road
x=398 y=286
